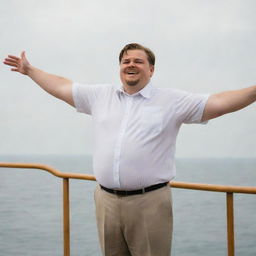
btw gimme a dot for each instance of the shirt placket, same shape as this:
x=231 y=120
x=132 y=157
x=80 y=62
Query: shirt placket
x=117 y=153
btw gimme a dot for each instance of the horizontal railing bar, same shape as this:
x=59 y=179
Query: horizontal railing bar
x=213 y=188
x=49 y=169
x=174 y=184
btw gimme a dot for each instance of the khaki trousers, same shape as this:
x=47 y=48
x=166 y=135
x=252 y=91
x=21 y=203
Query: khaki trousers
x=137 y=225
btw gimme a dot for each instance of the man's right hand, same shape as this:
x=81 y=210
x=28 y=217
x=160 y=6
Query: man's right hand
x=20 y=64
x=57 y=86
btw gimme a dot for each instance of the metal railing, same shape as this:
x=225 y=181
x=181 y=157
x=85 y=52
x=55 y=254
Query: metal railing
x=229 y=190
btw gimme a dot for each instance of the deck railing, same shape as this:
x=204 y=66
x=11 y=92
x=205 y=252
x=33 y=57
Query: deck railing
x=229 y=190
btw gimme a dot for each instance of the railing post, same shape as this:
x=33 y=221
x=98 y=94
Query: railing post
x=230 y=224
x=66 y=229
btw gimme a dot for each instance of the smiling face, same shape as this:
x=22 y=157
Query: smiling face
x=135 y=70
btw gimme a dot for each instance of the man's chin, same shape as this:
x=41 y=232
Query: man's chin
x=132 y=83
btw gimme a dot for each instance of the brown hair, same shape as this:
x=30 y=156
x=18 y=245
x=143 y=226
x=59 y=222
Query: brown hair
x=135 y=46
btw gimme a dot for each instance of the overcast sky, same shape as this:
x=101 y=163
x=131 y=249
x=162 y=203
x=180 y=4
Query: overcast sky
x=201 y=46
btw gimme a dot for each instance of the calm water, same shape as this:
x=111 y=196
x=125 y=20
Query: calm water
x=31 y=208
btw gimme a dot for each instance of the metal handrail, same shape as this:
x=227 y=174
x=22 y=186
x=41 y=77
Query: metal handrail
x=229 y=190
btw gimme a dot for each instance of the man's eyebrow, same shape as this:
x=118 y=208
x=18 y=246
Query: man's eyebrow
x=125 y=59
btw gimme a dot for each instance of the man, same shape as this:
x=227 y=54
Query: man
x=135 y=129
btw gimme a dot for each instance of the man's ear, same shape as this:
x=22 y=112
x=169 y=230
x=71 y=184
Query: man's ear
x=152 y=69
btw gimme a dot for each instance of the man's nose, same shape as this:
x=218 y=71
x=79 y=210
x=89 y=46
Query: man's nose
x=131 y=64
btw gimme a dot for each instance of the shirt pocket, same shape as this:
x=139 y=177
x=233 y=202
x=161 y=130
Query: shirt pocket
x=151 y=120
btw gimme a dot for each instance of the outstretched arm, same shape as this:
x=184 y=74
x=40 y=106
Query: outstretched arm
x=229 y=101
x=57 y=86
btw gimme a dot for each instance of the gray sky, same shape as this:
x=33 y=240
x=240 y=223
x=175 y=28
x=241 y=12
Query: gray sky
x=201 y=46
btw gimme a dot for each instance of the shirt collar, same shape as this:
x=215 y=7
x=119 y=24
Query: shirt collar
x=146 y=92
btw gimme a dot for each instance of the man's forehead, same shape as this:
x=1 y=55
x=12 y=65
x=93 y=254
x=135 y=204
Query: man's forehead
x=136 y=53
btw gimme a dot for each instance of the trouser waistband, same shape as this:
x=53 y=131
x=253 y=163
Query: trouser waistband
x=134 y=192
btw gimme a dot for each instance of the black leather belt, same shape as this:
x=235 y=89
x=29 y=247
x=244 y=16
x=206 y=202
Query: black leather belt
x=134 y=192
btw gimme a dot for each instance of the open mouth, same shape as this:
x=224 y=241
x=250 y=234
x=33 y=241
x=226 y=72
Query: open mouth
x=131 y=72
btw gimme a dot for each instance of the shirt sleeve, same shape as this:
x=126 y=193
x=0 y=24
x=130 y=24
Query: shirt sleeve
x=85 y=96
x=190 y=107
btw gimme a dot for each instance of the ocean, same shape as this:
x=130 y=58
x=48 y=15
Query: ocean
x=31 y=208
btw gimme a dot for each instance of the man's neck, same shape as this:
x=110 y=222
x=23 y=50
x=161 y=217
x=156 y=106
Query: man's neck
x=133 y=89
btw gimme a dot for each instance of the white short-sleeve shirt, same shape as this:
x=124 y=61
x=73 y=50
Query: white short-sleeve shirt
x=135 y=135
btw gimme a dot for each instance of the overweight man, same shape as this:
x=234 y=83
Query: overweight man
x=135 y=130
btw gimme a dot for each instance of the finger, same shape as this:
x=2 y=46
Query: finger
x=23 y=54
x=14 y=69
x=13 y=64
x=13 y=57
x=7 y=60
x=10 y=60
